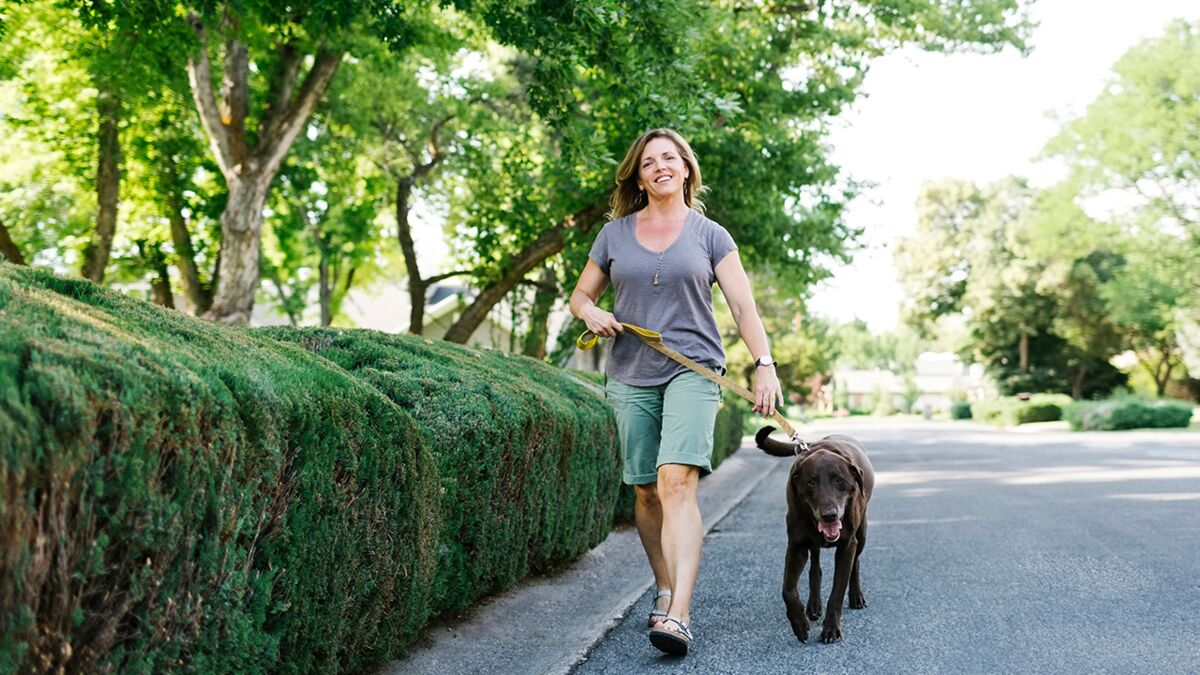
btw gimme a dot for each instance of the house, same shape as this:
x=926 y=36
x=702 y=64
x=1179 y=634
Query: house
x=939 y=379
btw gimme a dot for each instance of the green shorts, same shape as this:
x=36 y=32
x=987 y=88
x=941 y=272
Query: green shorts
x=669 y=423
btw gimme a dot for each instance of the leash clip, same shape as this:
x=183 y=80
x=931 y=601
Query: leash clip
x=801 y=447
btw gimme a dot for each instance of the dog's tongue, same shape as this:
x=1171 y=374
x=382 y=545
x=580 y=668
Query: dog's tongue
x=831 y=531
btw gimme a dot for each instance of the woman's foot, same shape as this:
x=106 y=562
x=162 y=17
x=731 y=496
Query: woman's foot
x=659 y=606
x=672 y=636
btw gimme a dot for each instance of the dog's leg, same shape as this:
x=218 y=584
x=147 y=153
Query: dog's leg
x=857 y=599
x=814 y=585
x=843 y=562
x=797 y=556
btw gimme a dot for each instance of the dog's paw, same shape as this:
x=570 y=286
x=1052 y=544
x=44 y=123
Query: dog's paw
x=858 y=601
x=800 y=629
x=814 y=609
x=831 y=632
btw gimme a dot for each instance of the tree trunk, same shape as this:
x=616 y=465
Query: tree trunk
x=108 y=182
x=535 y=253
x=249 y=170
x=325 y=290
x=241 y=236
x=1023 y=350
x=185 y=254
x=543 y=302
x=160 y=281
x=416 y=286
x=8 y=248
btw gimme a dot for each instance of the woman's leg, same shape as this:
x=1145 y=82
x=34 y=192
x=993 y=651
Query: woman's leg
x=682 y=533
x=648 y=516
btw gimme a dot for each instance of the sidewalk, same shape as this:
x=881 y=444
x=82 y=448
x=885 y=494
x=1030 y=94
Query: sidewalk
x=548 y=624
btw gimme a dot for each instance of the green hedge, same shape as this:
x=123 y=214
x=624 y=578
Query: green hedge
x=1012 y=411
x=180 y=495
x=1128 y=413
x=960 y=410
x=727 y=438
x=529 y=461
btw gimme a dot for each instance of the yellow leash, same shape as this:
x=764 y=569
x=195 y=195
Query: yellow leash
x=654 y=340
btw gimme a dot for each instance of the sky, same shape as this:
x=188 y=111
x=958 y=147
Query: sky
x=926 y=117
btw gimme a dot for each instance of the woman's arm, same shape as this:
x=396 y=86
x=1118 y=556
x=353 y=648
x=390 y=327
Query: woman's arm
x=588 y=290
x=731 y=276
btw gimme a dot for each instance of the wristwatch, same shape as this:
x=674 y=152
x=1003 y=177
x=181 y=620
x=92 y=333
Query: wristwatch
x=764 y=360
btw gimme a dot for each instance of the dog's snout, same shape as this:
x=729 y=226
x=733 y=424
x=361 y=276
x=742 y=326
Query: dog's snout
x=829 y=515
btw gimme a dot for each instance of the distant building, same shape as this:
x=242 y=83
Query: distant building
x=940 y=378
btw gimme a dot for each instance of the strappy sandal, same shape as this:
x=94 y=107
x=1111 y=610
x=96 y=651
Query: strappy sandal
x=672 y=640
x=657 y=615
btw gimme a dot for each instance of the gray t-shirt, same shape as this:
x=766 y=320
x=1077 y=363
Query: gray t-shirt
x=679 y=307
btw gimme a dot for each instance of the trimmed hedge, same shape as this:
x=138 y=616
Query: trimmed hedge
x=1128 y=413
x=1012 y=411
x=727 y=438
x=960 y=410
x=529 y=460
x=180 y=495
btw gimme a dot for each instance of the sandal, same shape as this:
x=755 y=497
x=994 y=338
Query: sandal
x=672 y=640
x=657 y=615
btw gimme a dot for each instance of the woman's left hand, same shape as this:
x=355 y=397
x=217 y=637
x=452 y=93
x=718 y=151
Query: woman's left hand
x=766 y=391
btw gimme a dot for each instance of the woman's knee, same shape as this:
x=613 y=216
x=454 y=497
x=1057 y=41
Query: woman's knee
x=677 y=482
x=647 y=495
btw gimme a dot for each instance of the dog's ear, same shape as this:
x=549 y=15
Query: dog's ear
x=857 y=473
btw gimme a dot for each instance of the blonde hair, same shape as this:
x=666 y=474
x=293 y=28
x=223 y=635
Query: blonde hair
x=629 y=198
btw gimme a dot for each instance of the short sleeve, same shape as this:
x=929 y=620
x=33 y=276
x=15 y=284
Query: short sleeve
x=599 y=253
x=720 y=244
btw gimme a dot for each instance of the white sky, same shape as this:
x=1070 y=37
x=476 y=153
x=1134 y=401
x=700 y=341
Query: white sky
x=931 y=116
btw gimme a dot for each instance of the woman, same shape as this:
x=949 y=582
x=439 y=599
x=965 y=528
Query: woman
x=662 y=256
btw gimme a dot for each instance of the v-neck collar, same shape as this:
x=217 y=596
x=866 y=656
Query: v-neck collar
x=633 y=226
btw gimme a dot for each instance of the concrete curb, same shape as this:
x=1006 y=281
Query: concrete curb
x=550 y=624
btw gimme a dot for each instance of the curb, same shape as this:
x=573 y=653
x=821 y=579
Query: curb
x=511 y=632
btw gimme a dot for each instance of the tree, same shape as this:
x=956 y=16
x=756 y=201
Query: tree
x=752 y=85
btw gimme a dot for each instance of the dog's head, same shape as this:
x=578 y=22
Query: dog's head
x=826 y=482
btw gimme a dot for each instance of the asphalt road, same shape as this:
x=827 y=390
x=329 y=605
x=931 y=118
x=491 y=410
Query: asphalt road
x=990 y=551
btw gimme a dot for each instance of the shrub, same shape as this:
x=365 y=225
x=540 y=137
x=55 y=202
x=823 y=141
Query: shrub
x=960 y=410
x=1129 y=412
x=528 y=460
x=1012 y=411
x=183 y=494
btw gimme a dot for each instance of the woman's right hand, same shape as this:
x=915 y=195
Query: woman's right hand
x=600 y=322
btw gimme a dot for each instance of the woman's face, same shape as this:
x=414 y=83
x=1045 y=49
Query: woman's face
x=661 y=171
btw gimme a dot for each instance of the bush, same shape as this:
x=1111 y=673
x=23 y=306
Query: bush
x=179 y=494
x=1012 y=411
x=193 y=496
x=529 y=462
x=1129 y=412
x=960 y=410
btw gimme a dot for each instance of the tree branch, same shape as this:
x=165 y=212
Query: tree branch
x=283 y=84
x=236 y=97
x=8 y=248
x=200 y=77
x=274 y=148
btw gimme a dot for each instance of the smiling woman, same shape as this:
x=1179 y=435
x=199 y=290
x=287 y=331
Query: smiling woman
x=662 y=256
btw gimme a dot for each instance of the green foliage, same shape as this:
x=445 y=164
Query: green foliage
x=960 y=410
x=223 y=501
x=528 y=461
x=219 y=499
x=1128 y=412
x=1012 y=411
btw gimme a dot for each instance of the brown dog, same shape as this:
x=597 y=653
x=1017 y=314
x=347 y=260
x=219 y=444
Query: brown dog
x=827 y=494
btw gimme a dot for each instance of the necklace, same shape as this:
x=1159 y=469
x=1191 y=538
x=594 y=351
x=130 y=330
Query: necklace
x=658 y=268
